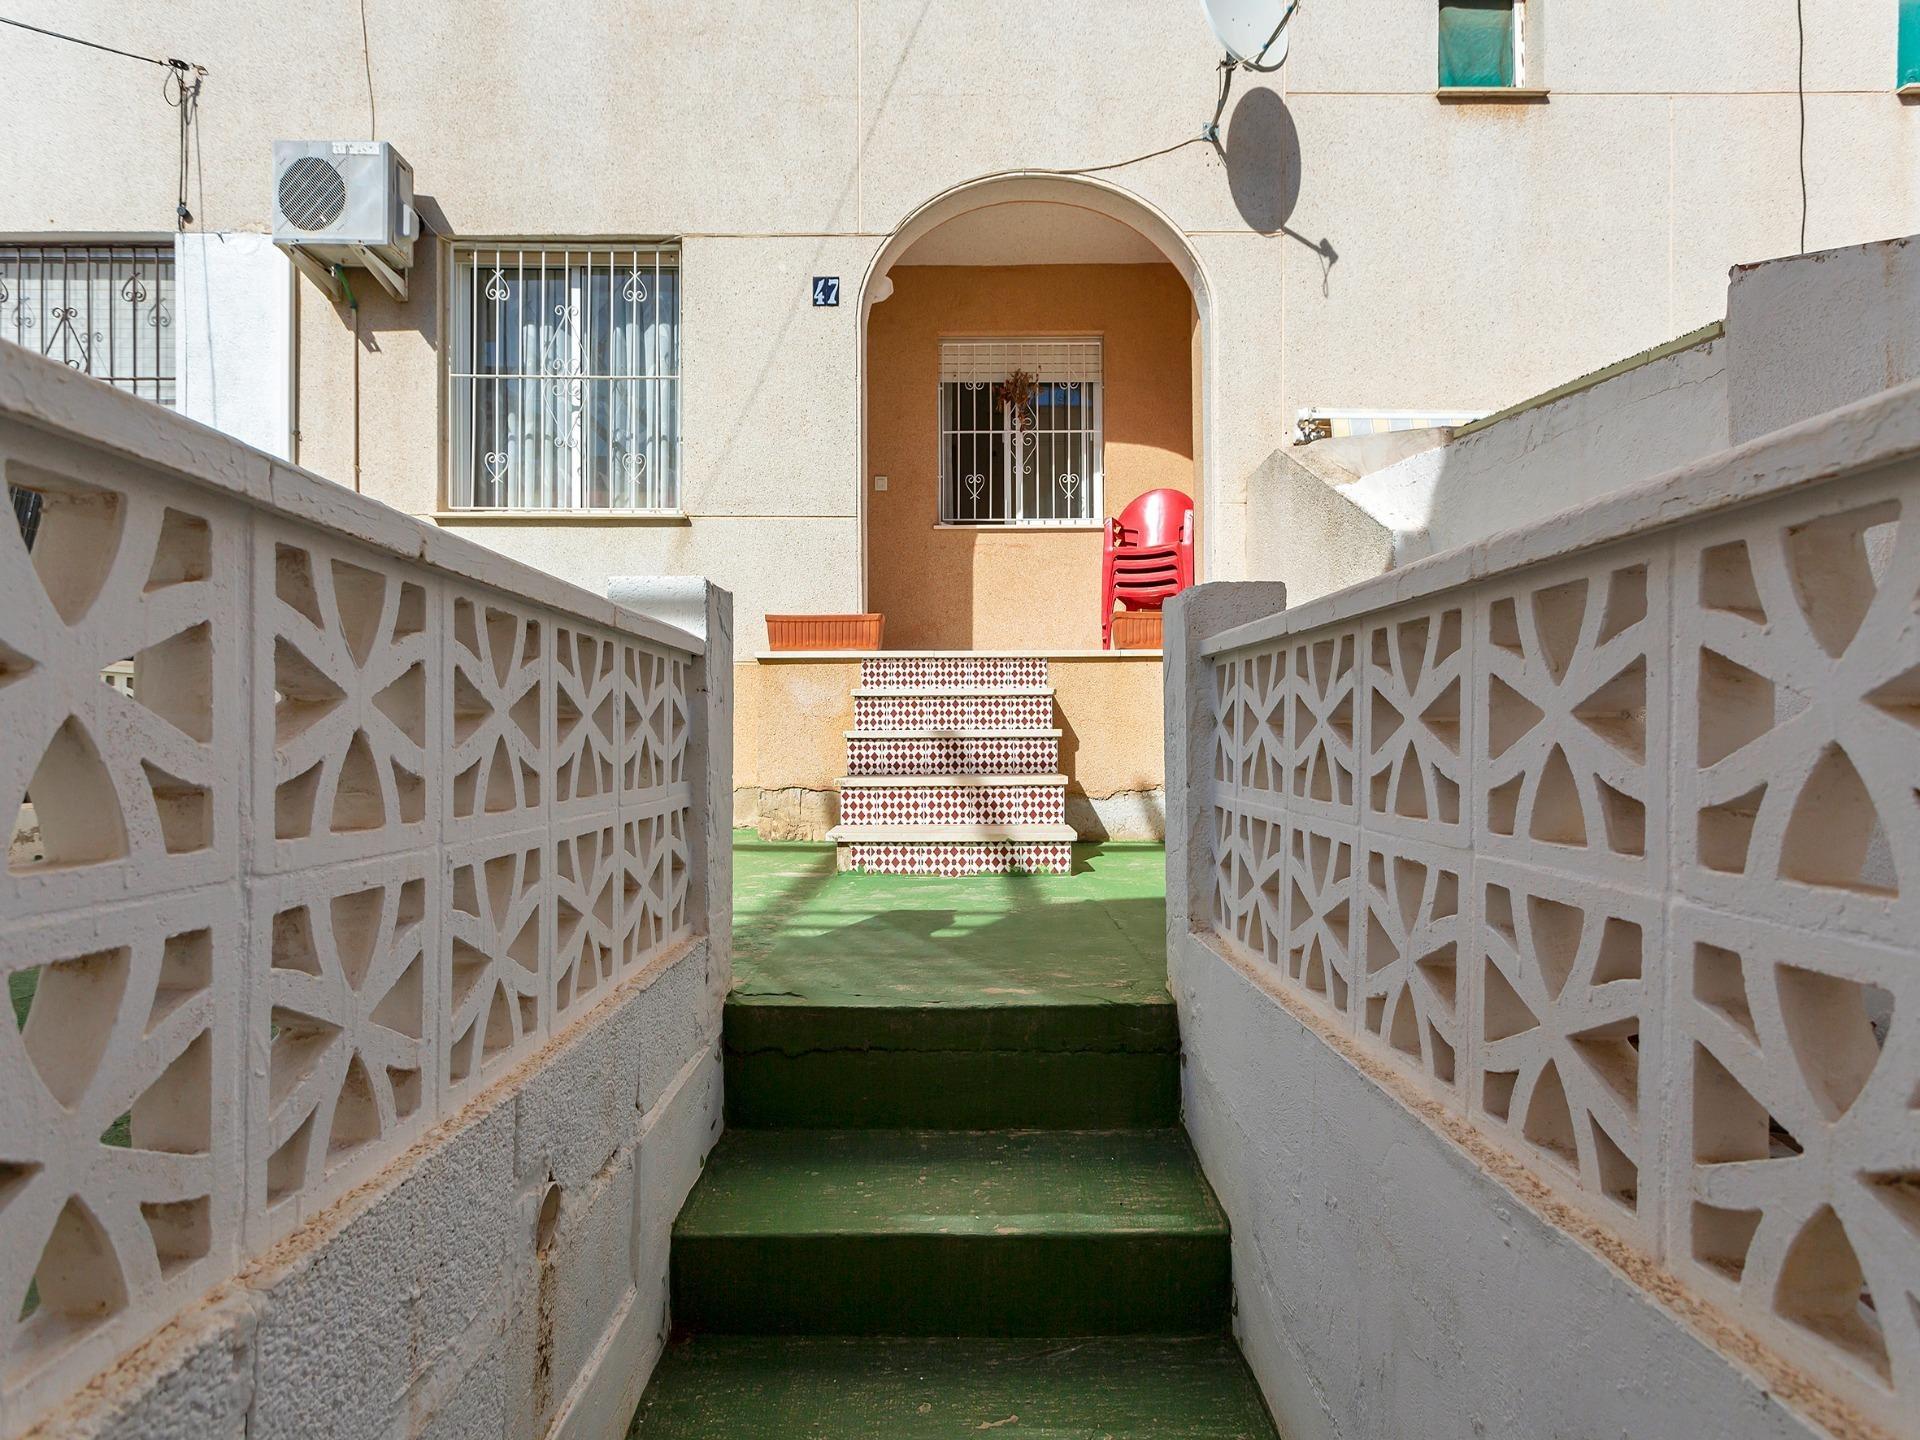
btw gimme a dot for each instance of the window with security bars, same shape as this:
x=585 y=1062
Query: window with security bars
x=565 y=375
x=106 y=310
x=1020 y=432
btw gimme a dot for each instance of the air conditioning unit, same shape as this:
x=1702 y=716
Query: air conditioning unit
x=345 y=202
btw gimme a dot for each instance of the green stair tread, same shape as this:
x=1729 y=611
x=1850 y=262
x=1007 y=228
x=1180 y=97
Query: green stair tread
x=1125 y=1388
x=766 y=1183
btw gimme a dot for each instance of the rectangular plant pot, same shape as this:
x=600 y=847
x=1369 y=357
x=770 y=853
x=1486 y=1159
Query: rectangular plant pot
x=824 y=632
x=1136 y=630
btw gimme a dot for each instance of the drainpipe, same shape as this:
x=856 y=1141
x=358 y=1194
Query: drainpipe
x=340 y=277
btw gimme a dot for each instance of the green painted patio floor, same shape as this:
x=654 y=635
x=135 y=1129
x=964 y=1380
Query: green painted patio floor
x=730 y=1388
x=806 y=935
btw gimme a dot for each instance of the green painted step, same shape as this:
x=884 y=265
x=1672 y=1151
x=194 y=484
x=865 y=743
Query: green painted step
x=1132 y=1388
x=897 y=1232
x=990 y=1066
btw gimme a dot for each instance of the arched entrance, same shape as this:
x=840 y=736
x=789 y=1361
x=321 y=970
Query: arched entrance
x=1062 y=278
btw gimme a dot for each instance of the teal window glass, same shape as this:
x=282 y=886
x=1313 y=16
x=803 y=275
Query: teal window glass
x=1907 y=66
x=1476 y=43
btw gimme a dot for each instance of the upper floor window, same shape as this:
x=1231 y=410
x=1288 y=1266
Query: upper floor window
x=1020 y=432
x=566 y=379
x=1907 y=64
x=1481 y=44
x=106 y=310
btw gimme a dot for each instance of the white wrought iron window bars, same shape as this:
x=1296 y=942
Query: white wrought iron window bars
x=106 y=310
x=565 y=379
x=1011 y=460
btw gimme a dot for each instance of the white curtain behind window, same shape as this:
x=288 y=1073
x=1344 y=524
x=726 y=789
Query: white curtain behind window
x=566 y=389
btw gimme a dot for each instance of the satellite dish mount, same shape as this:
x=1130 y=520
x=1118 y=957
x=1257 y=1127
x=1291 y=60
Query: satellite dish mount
x=1254 y=33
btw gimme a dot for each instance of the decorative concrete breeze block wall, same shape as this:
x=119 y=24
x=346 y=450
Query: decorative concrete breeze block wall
x=1599 y=841
x=387 y=827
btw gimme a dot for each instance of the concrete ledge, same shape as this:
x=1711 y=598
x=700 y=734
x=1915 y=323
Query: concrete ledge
x=1492 y=94
x=559 y=517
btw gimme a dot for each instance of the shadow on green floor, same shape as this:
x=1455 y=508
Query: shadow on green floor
x=808 y=935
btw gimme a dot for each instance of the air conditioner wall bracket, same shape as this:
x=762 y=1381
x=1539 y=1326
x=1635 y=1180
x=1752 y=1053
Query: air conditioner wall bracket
x=393 y=281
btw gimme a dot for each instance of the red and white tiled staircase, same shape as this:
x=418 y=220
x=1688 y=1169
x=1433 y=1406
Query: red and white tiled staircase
x=953 y=765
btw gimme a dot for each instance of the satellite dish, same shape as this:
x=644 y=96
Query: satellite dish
x=1254 y=31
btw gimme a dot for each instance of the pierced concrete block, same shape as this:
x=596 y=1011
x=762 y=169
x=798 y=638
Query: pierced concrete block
x=345 y=1003
x=122 y=1134
x=133 y=786
x=346 y=708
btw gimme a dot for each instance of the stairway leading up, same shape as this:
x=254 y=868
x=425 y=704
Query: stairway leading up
x=952 y=769
x=953 y=1197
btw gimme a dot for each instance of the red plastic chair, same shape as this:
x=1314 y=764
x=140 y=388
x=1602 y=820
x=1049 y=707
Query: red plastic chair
x=1149 y=556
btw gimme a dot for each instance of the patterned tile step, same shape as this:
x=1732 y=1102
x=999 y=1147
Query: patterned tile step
x=968 y=709
x=954 y=752
x=959 y=857
x=1043 y=802
x=920 y=671
x=956 y=778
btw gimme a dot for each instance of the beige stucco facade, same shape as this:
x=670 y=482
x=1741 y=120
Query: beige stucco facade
x=1354 y=240
x=1005 y=588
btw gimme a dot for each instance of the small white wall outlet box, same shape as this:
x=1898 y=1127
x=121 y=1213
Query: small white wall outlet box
x=879 y=482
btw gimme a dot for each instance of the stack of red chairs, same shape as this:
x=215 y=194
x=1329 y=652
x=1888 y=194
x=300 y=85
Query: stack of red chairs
x=1149 y=556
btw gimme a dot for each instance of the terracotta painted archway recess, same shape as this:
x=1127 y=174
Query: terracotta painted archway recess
x=1082 y=192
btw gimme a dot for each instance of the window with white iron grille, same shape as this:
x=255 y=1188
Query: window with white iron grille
x=106 y=310
x=565 y=377
x=1014 y=458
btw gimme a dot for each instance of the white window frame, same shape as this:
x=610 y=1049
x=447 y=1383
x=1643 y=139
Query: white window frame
x=1066 y=361
x=643 y=479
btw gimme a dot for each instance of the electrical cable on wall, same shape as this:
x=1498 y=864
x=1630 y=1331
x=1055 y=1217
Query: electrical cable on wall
x=185 y=98
x=1209 y=135
x=366 y=63
x=181 y=89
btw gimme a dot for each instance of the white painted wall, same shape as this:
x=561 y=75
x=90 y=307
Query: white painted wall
x=233 y=337
x=1551 y=458
x=1366 y=244
x=1821 y=331
x=1802 y=335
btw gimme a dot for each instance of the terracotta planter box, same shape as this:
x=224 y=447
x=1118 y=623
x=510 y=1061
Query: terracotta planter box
x=824 y=632
x=1136 y=630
